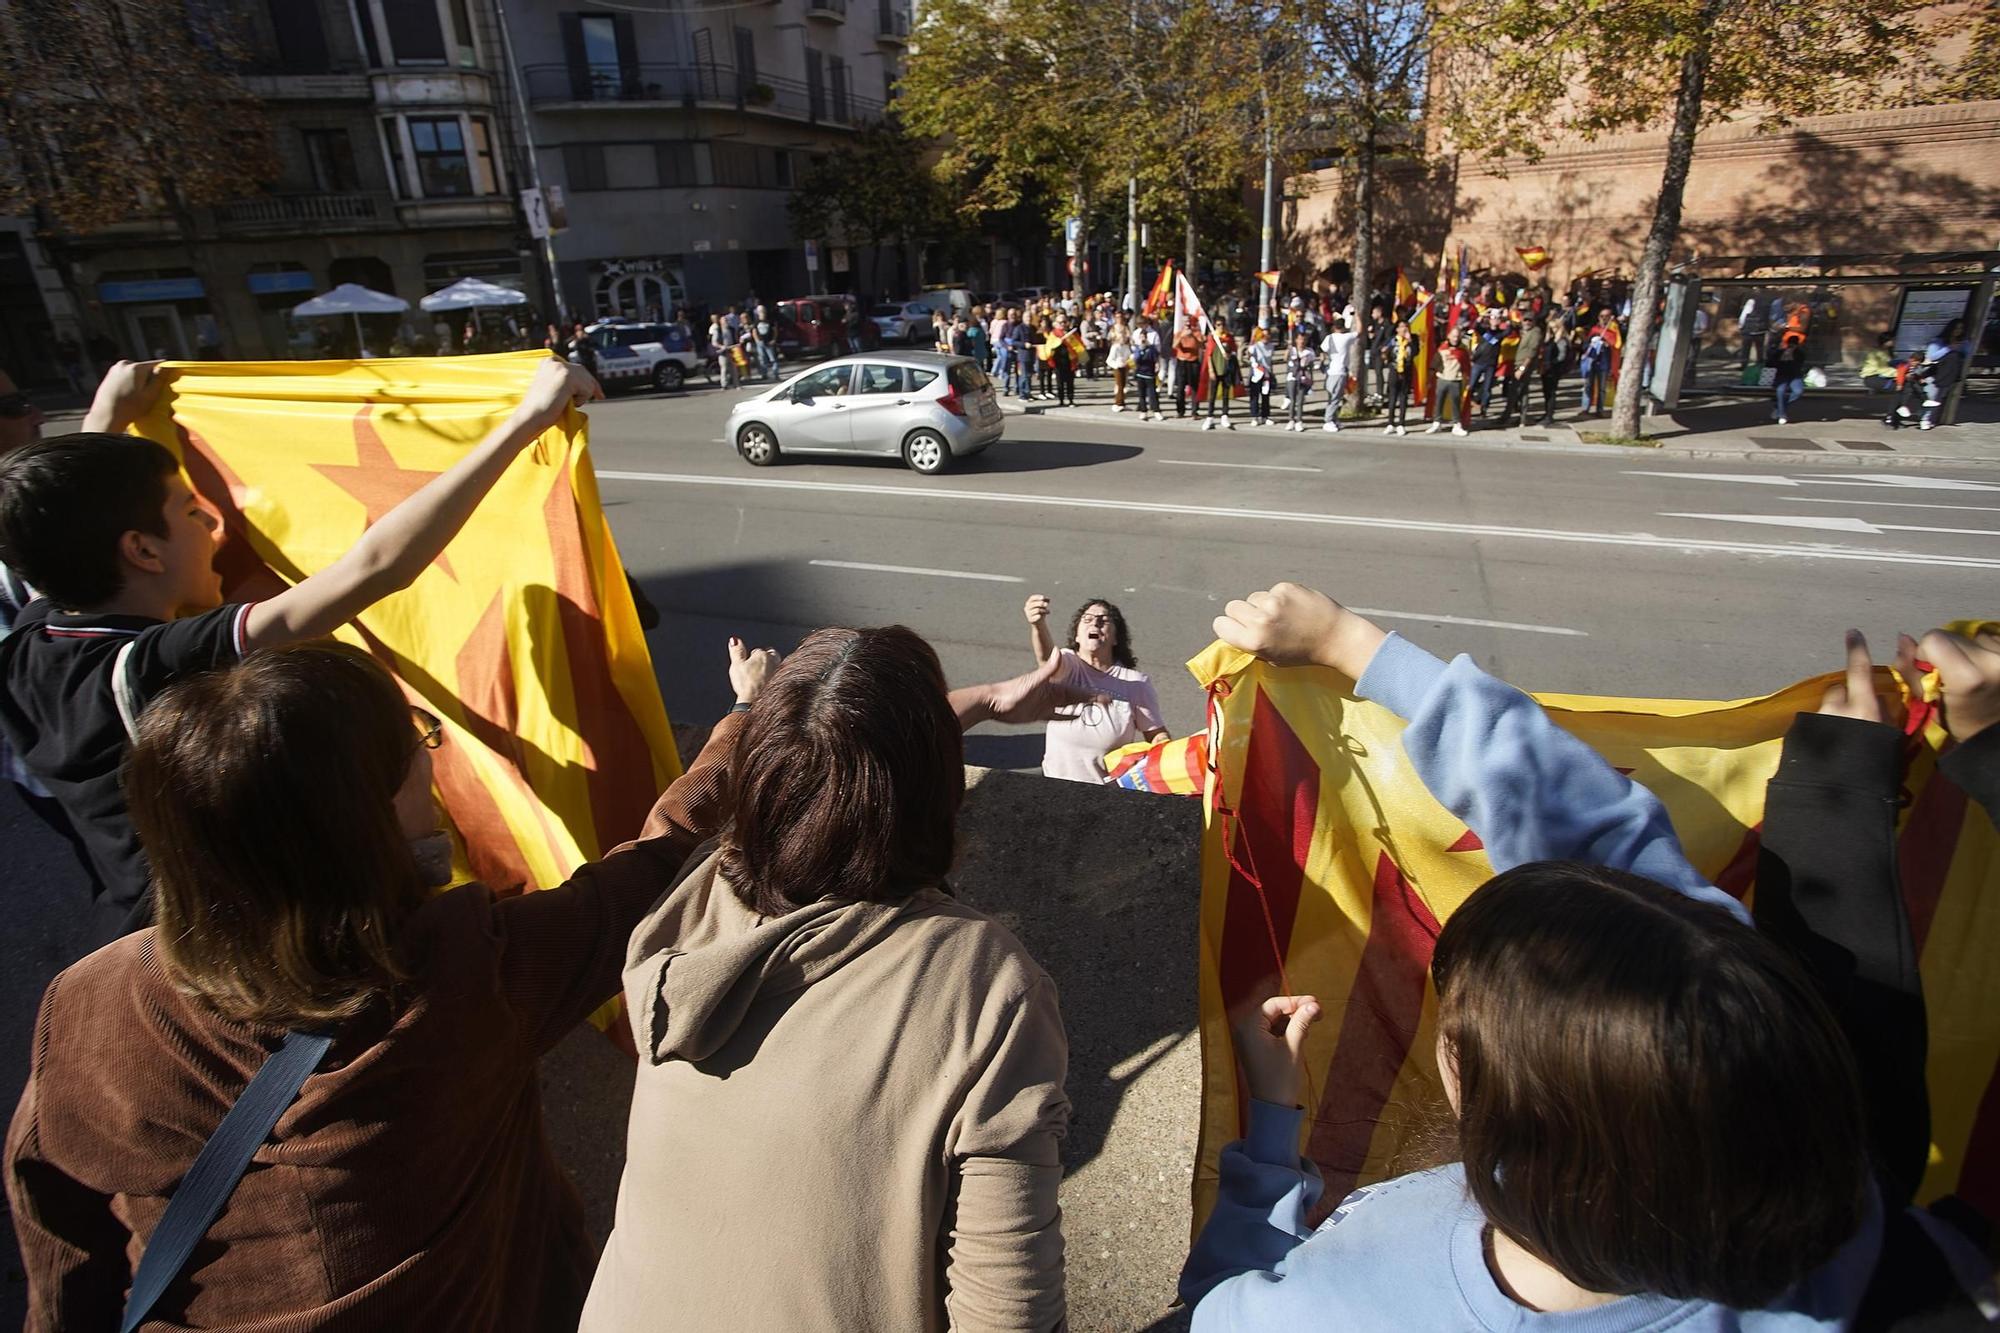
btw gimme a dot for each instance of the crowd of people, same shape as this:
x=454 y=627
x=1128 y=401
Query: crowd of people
x=1665 y=1110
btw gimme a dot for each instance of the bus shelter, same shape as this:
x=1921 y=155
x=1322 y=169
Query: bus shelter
x=1723 y=316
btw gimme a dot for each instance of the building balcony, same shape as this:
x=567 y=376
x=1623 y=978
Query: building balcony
x=311 y=214
x=827 y=11
x=488 y=210
x=693 y=87
x=892 y=24
x=439 y=86
x=285 y=87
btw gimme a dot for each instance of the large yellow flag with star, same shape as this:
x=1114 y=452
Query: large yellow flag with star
x=521 y=636
x=1328 y=869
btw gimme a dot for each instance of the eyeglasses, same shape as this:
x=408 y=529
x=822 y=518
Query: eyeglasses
x=1096 y=620
x=15 y=405
x=429 y=727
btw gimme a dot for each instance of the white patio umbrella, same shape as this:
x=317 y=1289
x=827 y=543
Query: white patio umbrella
x=351 y=298
x=472 y=294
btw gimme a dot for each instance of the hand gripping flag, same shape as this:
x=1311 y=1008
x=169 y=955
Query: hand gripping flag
x=1327 y=868
x=521 y=636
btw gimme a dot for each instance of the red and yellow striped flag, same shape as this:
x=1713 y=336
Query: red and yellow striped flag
x=1327 y=868
x=1269 y=277
x=1534 y=256
x=521 y=636
x=1404 y=293
x=1423 y=329
x=1162 y=293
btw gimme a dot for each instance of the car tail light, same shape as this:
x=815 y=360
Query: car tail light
x=951 y=402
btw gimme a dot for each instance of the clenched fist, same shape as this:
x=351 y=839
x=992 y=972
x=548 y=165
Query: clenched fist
x=1037 y=609
x=1294 y=626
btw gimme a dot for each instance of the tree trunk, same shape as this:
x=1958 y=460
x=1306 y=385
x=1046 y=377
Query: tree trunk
x=1660 y=237
x=1364 y=222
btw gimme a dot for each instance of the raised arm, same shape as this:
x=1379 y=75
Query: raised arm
x=1040 y=642
x=1486 y=751
x=391 y=554
x=1033 y=696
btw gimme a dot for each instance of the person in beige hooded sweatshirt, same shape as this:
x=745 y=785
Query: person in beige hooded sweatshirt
x=849 y=1106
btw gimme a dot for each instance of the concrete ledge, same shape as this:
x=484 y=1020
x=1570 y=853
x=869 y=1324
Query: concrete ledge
x=1103 y=887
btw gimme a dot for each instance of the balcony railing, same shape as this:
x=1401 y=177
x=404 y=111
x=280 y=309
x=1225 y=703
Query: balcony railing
x=892 y=23
x=834 y=10
x=278 y=213
x=709 y=85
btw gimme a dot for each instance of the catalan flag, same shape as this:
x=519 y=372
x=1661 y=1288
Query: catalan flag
x=521 y=637
x=1163 y=288
x=1327 y=868
x=1534 y=256
x=1177 y=767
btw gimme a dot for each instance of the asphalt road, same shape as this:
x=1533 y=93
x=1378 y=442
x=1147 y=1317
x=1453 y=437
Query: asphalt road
x=1589 y=572
x=1561 y=570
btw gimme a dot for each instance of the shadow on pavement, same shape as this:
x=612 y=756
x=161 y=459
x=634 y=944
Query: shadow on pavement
x=1046 y=456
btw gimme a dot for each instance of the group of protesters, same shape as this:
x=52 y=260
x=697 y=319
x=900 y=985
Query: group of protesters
x=1666 y=1110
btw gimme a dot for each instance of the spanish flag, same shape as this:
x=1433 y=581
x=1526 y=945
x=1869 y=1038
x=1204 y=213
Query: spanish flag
x=1534 y=256
x=1269 y=277
x=521 y=636
x=1163 y=288
x=1328 y=867
x=1404 y=293
x=1423 y=328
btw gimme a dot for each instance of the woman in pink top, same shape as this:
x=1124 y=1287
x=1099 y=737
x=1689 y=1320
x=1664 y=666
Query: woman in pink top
x=1099 y=658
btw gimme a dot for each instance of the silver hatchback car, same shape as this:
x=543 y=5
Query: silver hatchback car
x=924 y=407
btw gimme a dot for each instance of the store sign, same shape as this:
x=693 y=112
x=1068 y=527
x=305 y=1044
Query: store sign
x=536 y=210
x=151 y=289
x=272 y=284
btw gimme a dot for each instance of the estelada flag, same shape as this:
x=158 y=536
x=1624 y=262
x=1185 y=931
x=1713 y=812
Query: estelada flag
x=1269 y=277
x=1163 y=286
x=1534 y=256
x=1423 y=328
x=1327 y=868
x=521 y=636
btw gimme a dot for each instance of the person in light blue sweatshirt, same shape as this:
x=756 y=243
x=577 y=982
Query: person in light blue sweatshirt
x=1659 y=1122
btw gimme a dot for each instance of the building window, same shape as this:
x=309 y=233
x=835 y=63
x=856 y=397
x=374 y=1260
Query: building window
x=439 y=146
x=330 y=156
x=745 y=166
x=600 y=53
x=674 y=163
x=746 y=60
x=461 y=33
x=583 y=166
x=815 y=85
x=364 y=19
x=839 y=70
x=301 y=40
x=486 y=175
x=415 y=35
x=781 y=168
x=399 y=166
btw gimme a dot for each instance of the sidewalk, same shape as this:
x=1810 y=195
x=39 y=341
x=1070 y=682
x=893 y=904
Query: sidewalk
x=1824 y=427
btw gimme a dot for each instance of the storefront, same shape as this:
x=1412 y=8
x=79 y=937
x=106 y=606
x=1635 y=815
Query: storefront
x=160 y=314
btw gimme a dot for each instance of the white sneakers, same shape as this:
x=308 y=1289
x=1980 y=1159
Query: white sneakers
x=1229 y=423
x=1903 y=411
x=1460 y=430
x=1208 y=423
x=1118 y=407
x=1434 y=428
x=1784 y=421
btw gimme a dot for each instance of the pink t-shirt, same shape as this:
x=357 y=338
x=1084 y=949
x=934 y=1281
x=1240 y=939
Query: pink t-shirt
x=1080 y=737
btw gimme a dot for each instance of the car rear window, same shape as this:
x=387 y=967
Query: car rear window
x=919 y=378
x=966 y=377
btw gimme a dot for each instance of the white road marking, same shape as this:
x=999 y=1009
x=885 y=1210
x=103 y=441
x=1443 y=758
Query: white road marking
x=1631 y=539
x=1254 y=467
x=1834 y=523
x=1874 y=482
x=912 y=569
x=1468 y=620
x=1881 y=504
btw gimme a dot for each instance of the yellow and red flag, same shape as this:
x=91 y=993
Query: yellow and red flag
x=521 y=636
x=1269 y=277
x=1534 y=256
x=1327 y=868
x=1423 y=329
x=1163 y=290
x=1404 y=293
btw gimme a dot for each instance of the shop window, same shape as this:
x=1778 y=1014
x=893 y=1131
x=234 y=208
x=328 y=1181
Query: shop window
x=330 y=158
x=442 y=167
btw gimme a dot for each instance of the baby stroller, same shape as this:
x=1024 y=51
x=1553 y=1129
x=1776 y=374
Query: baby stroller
x=1926 y=380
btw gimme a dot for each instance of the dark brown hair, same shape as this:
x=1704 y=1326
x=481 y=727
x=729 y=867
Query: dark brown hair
x=264 y=794
x=848 y=775
x=66 y=502
x=1652 y=1097
x=1121 y=651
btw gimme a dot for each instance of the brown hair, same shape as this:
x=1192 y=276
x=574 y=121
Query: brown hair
x=1652 y=1097
x=848 y=775
x=264 y=794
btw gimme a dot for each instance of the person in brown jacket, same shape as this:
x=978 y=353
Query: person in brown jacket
x=850 y=1103
x=285 y=802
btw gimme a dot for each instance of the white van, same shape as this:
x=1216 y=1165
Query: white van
x=952 y=300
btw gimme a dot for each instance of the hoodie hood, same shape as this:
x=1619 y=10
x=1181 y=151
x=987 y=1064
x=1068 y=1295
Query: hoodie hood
x=698 y=964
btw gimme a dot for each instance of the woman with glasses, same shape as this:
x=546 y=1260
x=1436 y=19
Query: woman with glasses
x=1124 y=708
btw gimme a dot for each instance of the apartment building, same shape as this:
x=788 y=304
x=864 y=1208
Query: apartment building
x=396 y=156
x=676 y=135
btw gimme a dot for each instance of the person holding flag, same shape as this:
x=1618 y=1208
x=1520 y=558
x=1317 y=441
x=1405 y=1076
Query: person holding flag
x=1222 y=373
x=1399 y=361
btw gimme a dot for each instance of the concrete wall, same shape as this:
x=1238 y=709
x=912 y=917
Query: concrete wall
x=1103 y=887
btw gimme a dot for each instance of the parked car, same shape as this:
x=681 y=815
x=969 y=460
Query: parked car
x=948 y=299
x=661 y=356
x=810 y=327
x=924 y=407
x=903 y=323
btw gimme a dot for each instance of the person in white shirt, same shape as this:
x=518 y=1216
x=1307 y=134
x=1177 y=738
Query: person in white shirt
x=1099 y=658
x=1336 y=352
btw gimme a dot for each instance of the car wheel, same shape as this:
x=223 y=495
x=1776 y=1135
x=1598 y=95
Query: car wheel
x=757 y=444
x=669 y=376
x=926 y=452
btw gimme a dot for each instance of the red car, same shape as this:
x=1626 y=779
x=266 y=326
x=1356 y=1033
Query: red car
x=816 y=327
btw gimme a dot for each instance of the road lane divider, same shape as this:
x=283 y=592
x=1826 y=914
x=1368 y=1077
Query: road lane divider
x=1564 y=536
x=916 y=569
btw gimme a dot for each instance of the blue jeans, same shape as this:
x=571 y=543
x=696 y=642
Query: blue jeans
x=1789 y=392
x=767 y=359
